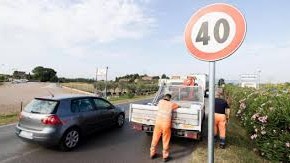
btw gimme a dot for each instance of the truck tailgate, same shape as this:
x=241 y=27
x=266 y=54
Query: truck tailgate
x=182 y=118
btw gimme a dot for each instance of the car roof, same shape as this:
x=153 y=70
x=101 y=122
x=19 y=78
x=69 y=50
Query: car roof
x=65 y=96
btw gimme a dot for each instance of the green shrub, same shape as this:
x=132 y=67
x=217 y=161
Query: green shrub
x=130 y=95
x=265 y=114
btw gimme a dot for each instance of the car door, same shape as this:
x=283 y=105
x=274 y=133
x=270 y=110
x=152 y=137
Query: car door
x=86 y=112
x=107 y=111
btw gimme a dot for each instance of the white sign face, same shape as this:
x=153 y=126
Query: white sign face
x=101 y=71
x=215 y=32
x=219 y=33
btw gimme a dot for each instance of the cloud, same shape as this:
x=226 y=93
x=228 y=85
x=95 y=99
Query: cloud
x=42 y=32
x=71 y=21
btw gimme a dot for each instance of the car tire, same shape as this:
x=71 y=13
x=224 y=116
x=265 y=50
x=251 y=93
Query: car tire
x=120 y=120
x=70 y=140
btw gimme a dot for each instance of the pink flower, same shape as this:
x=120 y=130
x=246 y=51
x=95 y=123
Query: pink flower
x=263 y=132
x=243 y=106
x=263 y=119
x=287 y=145
x=254 y=136
x=255 y=116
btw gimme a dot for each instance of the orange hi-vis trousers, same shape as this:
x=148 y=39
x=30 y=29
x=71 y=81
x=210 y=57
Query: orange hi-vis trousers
x=163 y=127
x=220 y=125
x=166 y=135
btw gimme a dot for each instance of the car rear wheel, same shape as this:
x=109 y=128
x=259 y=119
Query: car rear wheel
x=70 y=139
x=120 y=120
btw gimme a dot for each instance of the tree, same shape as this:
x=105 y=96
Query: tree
x=44 y=74
x=121 y=86
x=114 y=86
x=140 y=88
x=163 y=76
x=99 y=85
x=2 y=78
x=221 y=82
x=156 y=77
x=131 y=88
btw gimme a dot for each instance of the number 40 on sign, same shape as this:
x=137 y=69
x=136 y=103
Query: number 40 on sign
x=215 y=32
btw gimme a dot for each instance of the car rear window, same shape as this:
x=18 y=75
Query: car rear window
x=41 y=106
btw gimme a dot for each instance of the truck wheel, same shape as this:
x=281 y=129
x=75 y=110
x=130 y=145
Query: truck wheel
x=200 y=135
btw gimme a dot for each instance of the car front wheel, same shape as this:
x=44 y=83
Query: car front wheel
x=120 y=120
x=70 y=139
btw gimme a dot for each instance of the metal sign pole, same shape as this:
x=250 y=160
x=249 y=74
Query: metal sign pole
x=211 y=112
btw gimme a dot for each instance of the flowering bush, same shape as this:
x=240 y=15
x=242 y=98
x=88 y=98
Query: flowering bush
x=265 y=114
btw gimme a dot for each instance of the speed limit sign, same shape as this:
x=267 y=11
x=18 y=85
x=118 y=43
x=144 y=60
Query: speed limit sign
x=215 y=32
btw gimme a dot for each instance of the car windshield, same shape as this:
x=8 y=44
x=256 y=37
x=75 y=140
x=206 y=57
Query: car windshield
x=41 y=106
x=182 y=94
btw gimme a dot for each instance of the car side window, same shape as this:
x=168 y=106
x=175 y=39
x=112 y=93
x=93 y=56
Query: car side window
x=102 y=104
x=81 y=105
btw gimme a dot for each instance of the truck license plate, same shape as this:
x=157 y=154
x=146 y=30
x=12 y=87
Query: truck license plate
x=26 y=134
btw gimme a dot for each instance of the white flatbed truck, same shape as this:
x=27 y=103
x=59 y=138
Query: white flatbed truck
x=187 y=121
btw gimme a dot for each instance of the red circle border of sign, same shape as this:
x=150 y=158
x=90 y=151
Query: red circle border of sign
x=227 y=51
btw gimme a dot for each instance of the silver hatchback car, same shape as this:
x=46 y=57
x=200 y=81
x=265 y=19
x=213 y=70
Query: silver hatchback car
x=62 y=120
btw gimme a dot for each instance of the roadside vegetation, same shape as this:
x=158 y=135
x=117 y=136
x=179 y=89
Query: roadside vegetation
x=265 y=116
x=8 y=118
x=239 y=147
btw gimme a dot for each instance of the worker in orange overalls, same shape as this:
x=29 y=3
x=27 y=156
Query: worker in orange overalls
x=163 y=126
x=221 y=117
x=190 y=81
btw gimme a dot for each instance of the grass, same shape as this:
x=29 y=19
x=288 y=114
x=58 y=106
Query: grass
x=80 y=86
x=239 y=147
x=8 y=118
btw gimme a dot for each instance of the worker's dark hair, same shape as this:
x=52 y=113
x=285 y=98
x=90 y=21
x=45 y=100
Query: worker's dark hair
x=167 y=97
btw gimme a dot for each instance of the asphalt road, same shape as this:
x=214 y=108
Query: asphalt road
x=110 y=145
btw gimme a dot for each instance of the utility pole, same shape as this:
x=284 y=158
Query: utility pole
x=259 y=78
x=96 y=82
x=106 y=82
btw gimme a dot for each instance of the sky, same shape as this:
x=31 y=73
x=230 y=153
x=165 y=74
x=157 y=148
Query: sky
x=75 y=37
